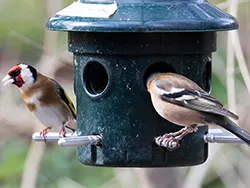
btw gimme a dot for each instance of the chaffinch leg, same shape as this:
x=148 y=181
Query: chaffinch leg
x=187 y=131
x=171 y=140
x=172 y=135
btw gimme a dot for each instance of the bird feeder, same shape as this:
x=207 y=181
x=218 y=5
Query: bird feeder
x=116 y=46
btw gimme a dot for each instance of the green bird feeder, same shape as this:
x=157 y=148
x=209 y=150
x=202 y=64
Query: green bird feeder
x=116 y=46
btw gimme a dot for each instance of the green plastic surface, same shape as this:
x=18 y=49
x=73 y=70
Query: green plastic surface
x=150 y=16
x=122 y=111
x=114 y=56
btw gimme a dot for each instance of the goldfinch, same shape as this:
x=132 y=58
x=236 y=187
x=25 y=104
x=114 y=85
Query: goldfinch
x=182 y=102
x=44 y=97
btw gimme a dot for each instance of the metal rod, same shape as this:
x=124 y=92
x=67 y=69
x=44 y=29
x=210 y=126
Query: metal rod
x=50 y=136
x=72 y=139
x=80 y=141
x=222 y=138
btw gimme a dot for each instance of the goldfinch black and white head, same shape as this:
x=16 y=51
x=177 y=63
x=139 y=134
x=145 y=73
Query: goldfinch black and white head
x=21 y=75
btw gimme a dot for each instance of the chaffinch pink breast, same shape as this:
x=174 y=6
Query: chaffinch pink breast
x=182 y=102
x=44 y=97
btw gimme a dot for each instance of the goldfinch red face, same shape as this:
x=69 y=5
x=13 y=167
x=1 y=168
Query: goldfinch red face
x=21 y=75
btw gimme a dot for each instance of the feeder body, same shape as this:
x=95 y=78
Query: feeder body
x=116 y=45
x=120 y=109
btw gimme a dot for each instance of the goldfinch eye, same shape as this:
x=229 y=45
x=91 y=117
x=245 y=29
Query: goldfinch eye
x=15 y=73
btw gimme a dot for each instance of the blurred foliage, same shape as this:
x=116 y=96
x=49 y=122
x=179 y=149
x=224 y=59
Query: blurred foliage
x=219 y=91
x=57 y=163
x=11 y=163
x=24 y=17
x=26 y=20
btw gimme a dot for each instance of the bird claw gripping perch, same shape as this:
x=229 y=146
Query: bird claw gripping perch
x=44 y=132
x=213 y=136
x=62 y=132
x=171 y=140
x=169 y=143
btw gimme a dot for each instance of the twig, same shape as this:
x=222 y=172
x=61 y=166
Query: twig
x=230 y=62
x=226 y=4
x=125 y=177
x=66 y=182
x=30 y=42
x=32 y=164
x=231 y=98
x=36 y=150
x=240 y=59
x=227 y=173
x=219 y=68
x=197 y=174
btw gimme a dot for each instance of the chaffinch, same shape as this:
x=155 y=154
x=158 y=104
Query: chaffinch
x=182 y=102
x=44 y=97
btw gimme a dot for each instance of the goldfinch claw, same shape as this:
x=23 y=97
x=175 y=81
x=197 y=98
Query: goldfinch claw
x=44 y=132
x=62 y=132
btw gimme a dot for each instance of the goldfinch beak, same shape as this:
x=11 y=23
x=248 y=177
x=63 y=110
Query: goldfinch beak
x=7 y=80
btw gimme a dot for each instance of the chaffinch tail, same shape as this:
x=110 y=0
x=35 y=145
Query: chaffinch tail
x=44 y=97
x=182 y=102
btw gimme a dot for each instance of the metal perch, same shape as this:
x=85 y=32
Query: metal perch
x=214 y=136
x=72 y=139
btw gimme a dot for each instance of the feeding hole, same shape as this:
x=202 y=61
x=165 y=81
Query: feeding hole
x=207 y=76
x=157 y=67
x=95 y=78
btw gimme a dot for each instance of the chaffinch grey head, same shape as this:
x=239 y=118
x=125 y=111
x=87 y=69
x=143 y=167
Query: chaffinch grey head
x=44 y=97
x=181 y=101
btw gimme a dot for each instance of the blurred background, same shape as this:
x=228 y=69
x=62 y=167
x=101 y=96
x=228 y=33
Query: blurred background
x=25 y=164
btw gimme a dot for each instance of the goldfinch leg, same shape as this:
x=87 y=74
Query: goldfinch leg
x=44 y=132
x=62 y=131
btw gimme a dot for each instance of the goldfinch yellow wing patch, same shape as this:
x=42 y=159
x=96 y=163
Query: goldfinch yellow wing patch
x=64 y=96
x=68 y=101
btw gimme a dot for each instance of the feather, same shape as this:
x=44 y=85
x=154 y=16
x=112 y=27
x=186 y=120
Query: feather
x=179 y=90
x=199 y=101
x=64 y=96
